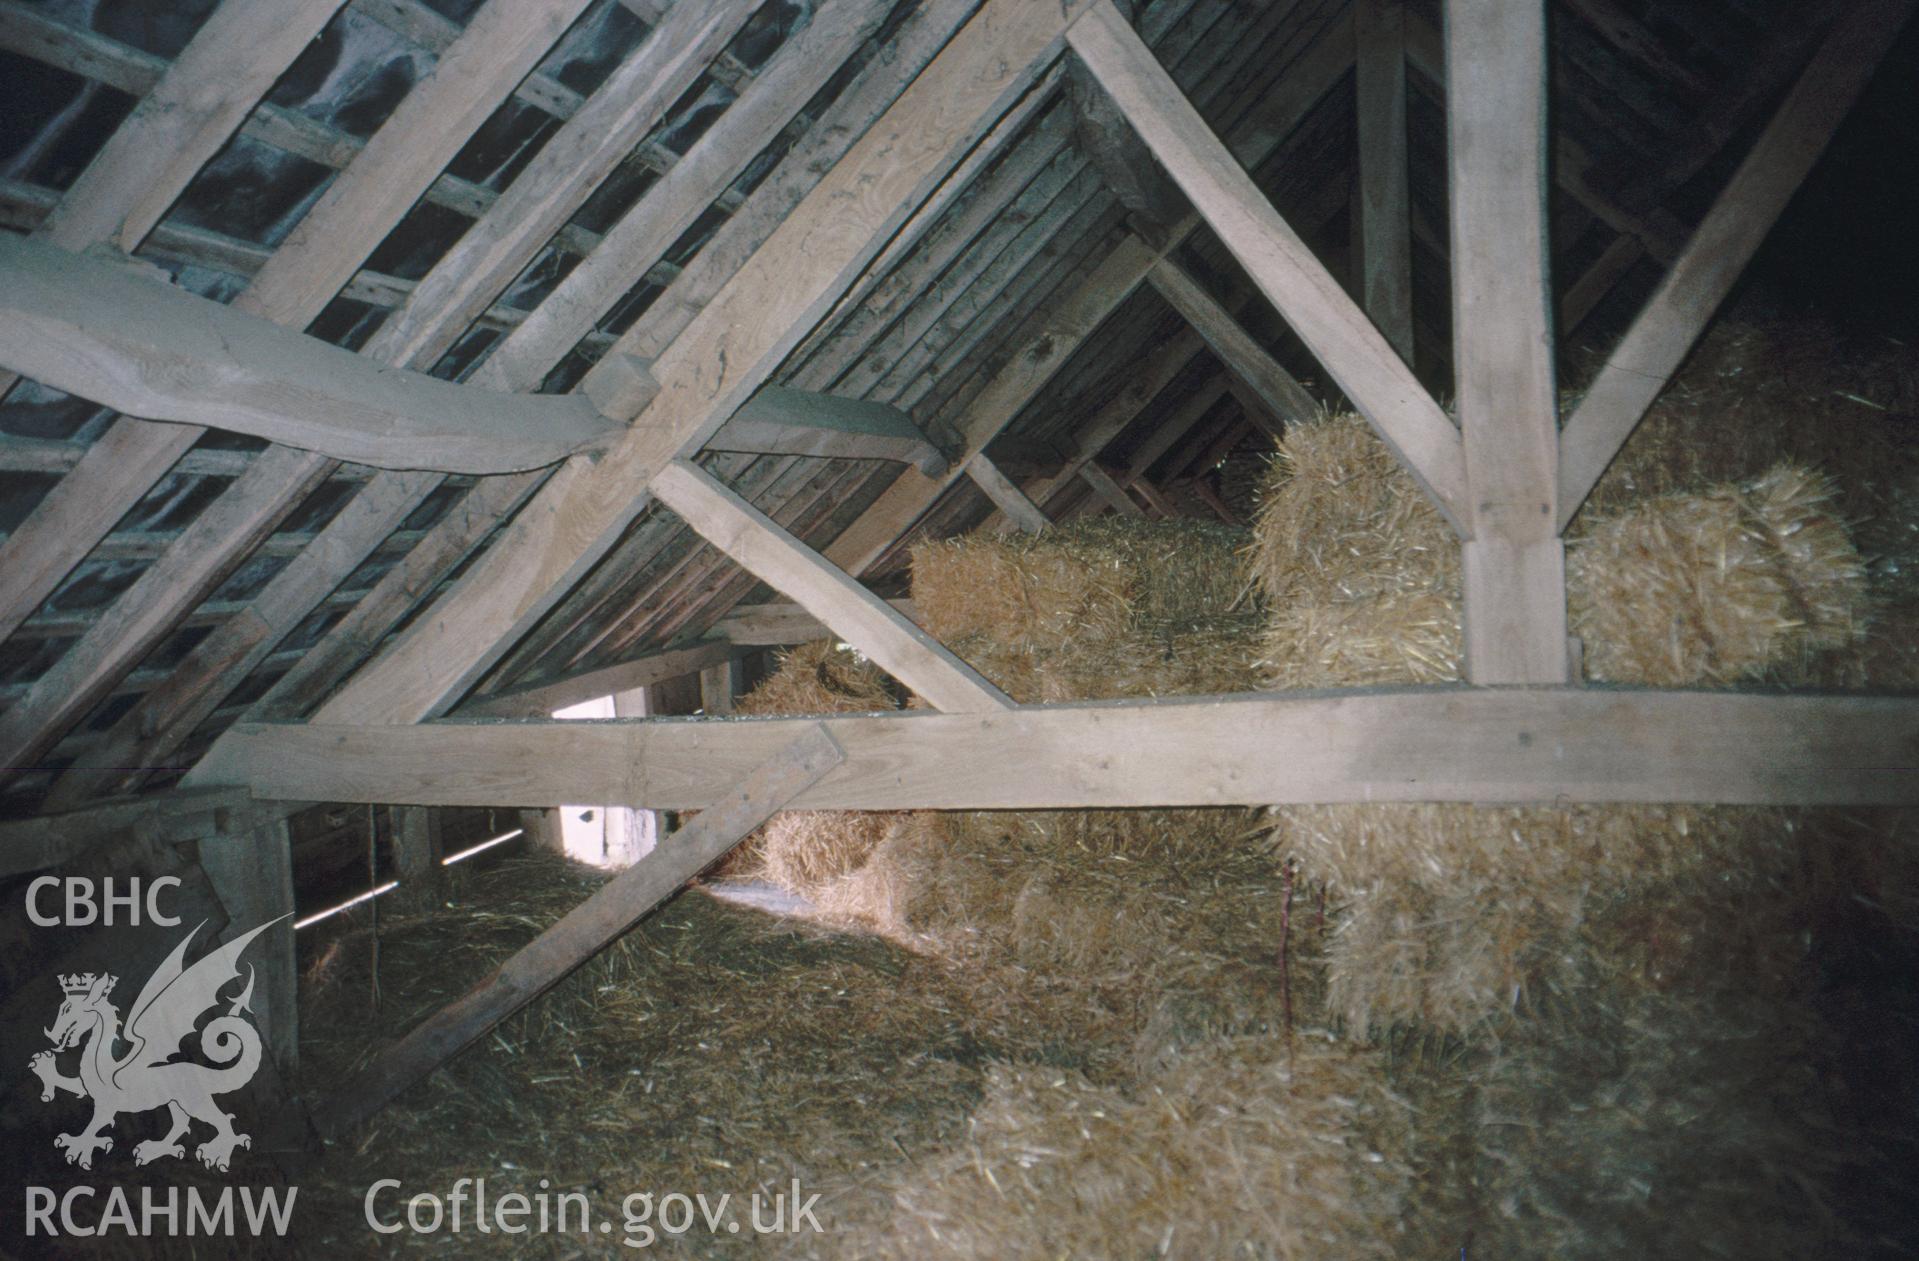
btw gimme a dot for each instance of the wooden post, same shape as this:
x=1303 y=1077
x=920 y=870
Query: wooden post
x=1007 y=497
x=417 y=845
x=584 y=931
x=1515 y=570
x=252 y=873
x=543 y=829
x=721 y=684
x=1107 y=489
x=1385 y=239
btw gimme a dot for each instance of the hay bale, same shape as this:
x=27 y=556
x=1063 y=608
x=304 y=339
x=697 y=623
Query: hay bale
x=1658 y=1123
x=1636 y=1072
x=1760 y=390
x=1452 y=917
x=1234 y=1152
x=1096 y=580
x=805 y=850
x=821 y=678
x=1723 y=584
x=1339 y=523
x=1719 y=585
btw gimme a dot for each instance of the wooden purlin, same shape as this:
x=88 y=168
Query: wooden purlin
x=825 y=365
x=602 y=132
x=1354 y=353
x=25 y=206
x=1165 y=361
x=878 y=532
x=97 y=330
x=895 y=290
x=664 y=612
x=560 y=178
x=120 y=196
x=641 y=238
x=436 y=311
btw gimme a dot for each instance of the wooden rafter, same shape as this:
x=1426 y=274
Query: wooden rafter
x=642 y=237
x=199 y=102
x=1411 y=744
x=1075 y=316
x=1268 y=111
x=892 y=642
x=1243 y=356
x=358 y=208
x=1679 y=309
x=871 y=91
x=1339 y=334
x=396 y=165
x=599 y=133
x=199 y=559
x=485 y=260
x=726 y=353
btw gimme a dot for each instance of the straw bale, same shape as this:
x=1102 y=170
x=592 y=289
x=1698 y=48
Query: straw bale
x=1659 y=1123
x=1343 y=521
x=1245 y=1150
x=1761 y=389
x=1391 y=637
x=1718 y=585
x=1448 y=915
x=1092 y=580
x=1242 y=480
x=821 y=678
x=804 y=850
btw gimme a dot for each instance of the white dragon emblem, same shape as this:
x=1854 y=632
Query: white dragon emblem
x=171 y=1004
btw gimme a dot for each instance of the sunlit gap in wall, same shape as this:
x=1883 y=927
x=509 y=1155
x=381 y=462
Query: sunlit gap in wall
x=391 y=885
x=608 y=836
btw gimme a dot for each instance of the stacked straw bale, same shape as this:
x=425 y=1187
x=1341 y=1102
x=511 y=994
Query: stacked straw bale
x=1162 y=952
x=1609 y=1000
x=804 y=850
x=1235 y=1152
x=1451 y=911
